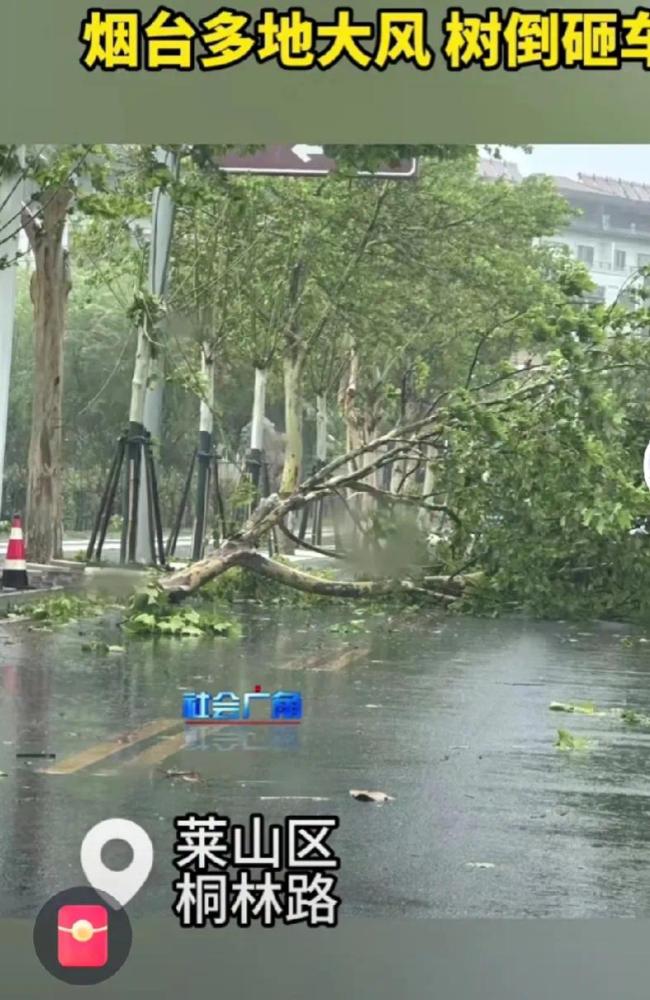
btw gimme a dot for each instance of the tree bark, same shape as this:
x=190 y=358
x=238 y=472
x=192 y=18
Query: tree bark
x=139 y=380
x=321 y=429
x=187 y=581
x=293 y=431
x=354 y=528
x=348 y=404
x=50 y=288
x=293 y=425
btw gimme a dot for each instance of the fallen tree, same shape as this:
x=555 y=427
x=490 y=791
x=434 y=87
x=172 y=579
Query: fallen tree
x=535 y=474
x=445 y=589
x=352 y=472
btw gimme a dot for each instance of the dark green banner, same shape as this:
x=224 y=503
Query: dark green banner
x=413 y=79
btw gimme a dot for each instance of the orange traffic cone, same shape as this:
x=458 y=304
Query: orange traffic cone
x=14 y=573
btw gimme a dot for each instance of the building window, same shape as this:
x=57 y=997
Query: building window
x=643 y=259
x=605 y=221
x=619 y=260
x=585 y=254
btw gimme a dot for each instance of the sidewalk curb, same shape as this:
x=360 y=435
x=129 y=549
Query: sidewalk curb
x=13 y=598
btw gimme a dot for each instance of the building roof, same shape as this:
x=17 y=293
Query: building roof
x=492 y=169
x=495 y=170
x=567 y=183
x=631 y=190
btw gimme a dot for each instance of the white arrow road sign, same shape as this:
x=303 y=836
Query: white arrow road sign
x=305 y=153
x=303 y=160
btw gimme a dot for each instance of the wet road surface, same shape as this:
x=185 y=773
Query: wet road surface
x=448 y=715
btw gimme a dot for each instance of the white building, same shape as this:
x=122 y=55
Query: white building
x=611 y=233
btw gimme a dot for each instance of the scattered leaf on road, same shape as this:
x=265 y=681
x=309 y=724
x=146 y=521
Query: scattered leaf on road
x=567 y=741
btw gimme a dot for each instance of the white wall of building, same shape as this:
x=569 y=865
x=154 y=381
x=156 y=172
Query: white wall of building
x=612 y=263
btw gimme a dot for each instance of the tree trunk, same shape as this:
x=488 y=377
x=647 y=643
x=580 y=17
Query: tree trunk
x=293 y=425
x=188 y=580
x=206 y=426
x=293 y=430
x=346 y=530
x=348 y=404
x=139 y=380
x=162 y=229
x=11 y=195
x=50 y=288
x=256 y=457
x=259 y=410
x=133 y=482
x=321 y=429
x=355 y=527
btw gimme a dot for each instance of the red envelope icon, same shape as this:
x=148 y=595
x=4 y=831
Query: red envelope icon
x=83 y=937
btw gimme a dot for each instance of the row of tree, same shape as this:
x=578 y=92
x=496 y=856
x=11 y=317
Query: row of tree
x=421 y=331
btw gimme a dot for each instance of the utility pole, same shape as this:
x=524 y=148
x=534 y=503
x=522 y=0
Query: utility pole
x=11 y=197
x=162 y=226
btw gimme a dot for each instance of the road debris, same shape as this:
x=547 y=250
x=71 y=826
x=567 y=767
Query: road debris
x=567 y=741
x=191 y=776
x=363 y=796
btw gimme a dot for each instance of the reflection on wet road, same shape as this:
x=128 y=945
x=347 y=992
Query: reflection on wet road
x=449 y=715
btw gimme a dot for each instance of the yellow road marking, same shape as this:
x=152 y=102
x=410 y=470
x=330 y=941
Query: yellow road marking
x=99 y=752
x=159 y=752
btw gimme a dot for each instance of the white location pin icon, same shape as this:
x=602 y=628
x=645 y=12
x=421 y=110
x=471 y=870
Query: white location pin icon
x=120 y=885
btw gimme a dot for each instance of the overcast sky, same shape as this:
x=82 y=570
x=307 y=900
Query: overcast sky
x=629 y=163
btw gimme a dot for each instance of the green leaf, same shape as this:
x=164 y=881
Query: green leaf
x=192 y=630
x=566 y=741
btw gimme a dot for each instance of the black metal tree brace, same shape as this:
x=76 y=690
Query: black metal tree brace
x=315 y=509
x=172 y=541
x=135 y=446
x=206 y=459
x=98 y=536
x=257 y=469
